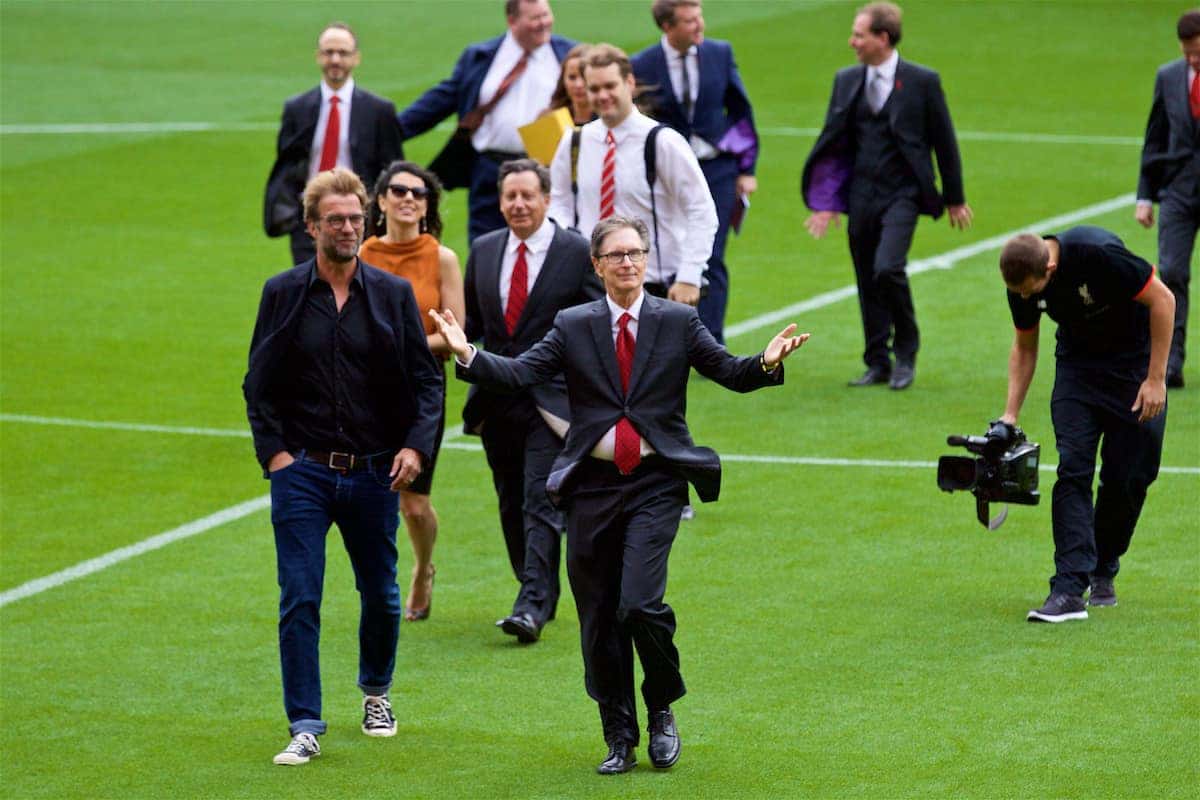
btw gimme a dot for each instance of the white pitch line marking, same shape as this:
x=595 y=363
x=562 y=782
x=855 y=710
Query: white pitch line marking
x=124 y=426
x=989 y=136
x=941 y=261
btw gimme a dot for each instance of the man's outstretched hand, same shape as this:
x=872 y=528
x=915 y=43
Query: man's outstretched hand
x=783 y=345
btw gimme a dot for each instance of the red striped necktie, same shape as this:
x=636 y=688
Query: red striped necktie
x=518 y=291
x=627 y=451
x=329 y=148
x=608 y=178
x=1194 y=96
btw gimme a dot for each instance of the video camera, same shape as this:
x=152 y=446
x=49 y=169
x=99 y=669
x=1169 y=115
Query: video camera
x=1004 y=471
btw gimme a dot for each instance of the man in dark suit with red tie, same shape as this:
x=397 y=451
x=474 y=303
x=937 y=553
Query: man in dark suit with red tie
x=873 y=160
x=623 y=472
x=517 y=281
x=496 y=86
x=334 y=125
x=1170 y=176
x=692 y=84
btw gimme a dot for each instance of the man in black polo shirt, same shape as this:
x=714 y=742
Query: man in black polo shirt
x=343 y=398
x=1114 y=320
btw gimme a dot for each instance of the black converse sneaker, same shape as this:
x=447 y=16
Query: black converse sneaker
x=1103 y=593
x=1059 y=607
x=300 y=750
x=377 y=716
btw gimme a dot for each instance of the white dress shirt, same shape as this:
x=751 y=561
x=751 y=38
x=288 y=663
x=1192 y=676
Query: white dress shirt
x=675 y=60
x=344 y=95
x=885 y=74
x=687 y=217
x=535 y=256
x=523 y=101
x=607 y=445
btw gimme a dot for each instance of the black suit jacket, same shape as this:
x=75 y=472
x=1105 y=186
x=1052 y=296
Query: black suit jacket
x=917 y=114
x=671 y=340
x=1172 y=136
x=403 y=367
x=375 y=142
x=566 y=279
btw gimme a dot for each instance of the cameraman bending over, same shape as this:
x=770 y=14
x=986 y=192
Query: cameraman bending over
x=1114 y=331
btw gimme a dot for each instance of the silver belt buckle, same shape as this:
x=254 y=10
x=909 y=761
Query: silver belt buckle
x=342 y=462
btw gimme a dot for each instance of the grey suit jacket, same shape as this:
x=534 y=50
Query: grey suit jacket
x=1172 y=136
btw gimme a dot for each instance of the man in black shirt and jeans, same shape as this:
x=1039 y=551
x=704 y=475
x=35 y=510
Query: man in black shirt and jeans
x=1114 y=320
x=343 y=398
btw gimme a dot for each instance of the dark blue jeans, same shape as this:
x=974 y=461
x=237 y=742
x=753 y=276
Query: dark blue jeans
x=306 y=498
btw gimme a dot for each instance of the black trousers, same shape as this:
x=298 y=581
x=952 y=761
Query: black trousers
x=880 y=229
x=1178 y=222
x=1090 y=410
x=620 y=529
x=721 y=174
x=520 y=450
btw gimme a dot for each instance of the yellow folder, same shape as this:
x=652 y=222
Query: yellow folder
x=541 y=137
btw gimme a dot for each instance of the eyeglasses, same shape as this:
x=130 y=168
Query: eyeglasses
x=617 y=257
x=336 y=221
x=398 y=190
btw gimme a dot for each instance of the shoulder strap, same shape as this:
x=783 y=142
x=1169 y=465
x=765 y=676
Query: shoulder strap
x=576 y=134
x=651 y=158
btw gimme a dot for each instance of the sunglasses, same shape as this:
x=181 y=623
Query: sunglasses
x=399 y=190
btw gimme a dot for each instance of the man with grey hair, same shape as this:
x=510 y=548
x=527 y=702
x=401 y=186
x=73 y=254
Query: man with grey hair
x=623 y=471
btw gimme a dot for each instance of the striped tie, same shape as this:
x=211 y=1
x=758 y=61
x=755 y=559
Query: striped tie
x=1194 y=96
x=608 y=178
x=518 y=291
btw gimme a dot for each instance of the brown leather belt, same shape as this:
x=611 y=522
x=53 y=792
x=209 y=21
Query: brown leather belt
x=345 y=462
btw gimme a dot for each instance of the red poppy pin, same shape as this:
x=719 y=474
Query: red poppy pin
x=899 y=84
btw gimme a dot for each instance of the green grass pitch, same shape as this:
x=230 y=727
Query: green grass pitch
x=846 y=631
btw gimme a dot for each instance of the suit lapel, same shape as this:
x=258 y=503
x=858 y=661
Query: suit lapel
x=605 y=349
x=648 y=325
x=898 y=96
x=489 y=268
x=358 y=107
x=706 y=77
x=545 y=279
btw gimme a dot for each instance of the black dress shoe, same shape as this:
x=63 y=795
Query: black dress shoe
x=871 y=377
x=664 y=739
x=902 y=377
x=521 y=626
x=620 y=759
x=1175 y=380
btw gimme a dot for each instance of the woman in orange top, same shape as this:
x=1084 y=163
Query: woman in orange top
x=406 y=216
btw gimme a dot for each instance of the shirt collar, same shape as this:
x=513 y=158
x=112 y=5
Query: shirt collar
x=314 y=276
x=539 y=53
x=537 y=242
x=887 y=69
x=615 y=311
x=343 y=94
x=671 y=51
x=627 y=125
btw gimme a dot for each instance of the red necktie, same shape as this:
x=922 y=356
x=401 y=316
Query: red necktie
x=329 y=149
x=627 y=452
x=608 y=178
x=518 y=291
x=1194 y=96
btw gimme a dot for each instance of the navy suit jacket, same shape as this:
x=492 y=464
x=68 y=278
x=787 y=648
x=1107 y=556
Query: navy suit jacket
x=375 y=142
x=722 y=115
x=917 y=114
x=671 y=340
x=403 y=368
x=566 y=279
x=459 y=94
x=1172 y=136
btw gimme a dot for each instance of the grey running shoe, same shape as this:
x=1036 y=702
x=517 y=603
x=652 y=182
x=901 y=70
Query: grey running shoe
x=688 y=513
x=1059 y=607
x=1103 y=593
x=300 y=750
x=377 y=716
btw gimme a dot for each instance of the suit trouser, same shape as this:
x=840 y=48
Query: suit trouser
x=303 y=246
x=1090 y=409
x=880 y=229
x=721 y=174
x=483 y=202
x=1178 y=221
x=619 y=534
x=306 y=498
x=520 y=450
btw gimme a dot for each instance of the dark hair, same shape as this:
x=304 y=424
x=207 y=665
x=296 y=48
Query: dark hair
x=1189 y=25
x=338 y=180
x=560 y=98
x=432 y=223
x=1024 y=256
x=338 y=26
x=523 y=165
x=663 y=11
x=885 y=18
x=604 y=54
x=606 y=226
x=513 y=7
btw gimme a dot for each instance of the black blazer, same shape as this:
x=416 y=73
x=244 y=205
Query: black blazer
x=404 y=370
x=375 y=142
x=917 y=114
x=566 y=279
x=670 y=341
x=1172 y=136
